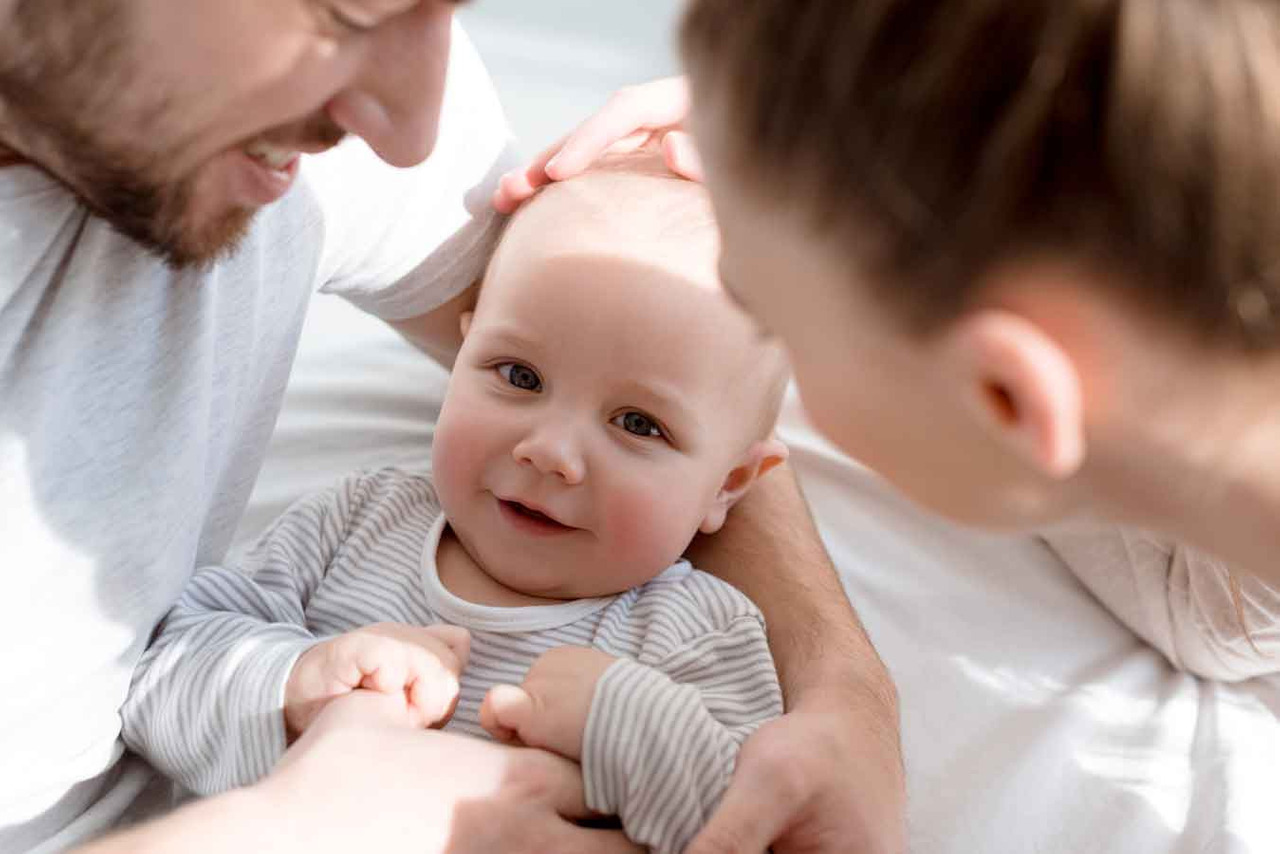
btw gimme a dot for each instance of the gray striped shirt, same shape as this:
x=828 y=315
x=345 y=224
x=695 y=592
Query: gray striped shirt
x=694 y=678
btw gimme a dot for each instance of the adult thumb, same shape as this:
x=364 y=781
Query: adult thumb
x=745 y=821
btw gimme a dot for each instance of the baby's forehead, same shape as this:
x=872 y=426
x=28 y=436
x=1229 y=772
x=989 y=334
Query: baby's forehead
x=661 y=212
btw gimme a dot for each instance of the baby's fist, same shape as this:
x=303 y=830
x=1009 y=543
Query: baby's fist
x=550 y=709
x=422 y=664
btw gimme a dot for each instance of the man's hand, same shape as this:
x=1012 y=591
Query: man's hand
x=634 y=117
x=814 y=781
x=419 y=664
x=549 y=710
x=827 y=777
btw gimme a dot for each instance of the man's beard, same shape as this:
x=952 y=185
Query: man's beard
x=158 y=215
x=60 y=101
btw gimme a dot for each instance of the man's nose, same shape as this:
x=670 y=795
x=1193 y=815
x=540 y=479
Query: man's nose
x=394 y=101
x=552 y=450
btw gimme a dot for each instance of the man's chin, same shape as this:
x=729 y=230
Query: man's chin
x=196 y=247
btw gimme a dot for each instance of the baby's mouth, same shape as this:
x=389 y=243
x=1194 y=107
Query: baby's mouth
x=532 y=515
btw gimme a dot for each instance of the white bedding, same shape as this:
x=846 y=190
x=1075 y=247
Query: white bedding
x=1032 y=720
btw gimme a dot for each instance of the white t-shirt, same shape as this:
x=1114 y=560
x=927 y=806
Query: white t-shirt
x=135 y=407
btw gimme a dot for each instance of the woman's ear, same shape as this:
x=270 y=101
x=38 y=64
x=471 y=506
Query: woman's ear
x=464 y=322
x=759 y=460
x=1023 y=387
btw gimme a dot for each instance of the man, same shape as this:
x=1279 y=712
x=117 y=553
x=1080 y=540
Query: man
x=160 y=235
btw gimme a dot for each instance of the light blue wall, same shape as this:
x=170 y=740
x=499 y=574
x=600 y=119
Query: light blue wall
x=556 y=61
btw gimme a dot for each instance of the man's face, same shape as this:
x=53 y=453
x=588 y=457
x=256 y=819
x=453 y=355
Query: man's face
x=598 y=403
x=176 y=120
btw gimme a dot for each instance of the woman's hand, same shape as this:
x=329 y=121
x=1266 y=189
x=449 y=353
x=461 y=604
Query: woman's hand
x=634 y=117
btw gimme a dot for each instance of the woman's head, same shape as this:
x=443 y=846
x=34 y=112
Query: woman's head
x=962 y=215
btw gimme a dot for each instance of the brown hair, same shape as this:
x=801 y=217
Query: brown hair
x=937 y=138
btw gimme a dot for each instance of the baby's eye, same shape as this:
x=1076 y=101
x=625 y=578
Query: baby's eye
x=521 y=376
x=639 y=424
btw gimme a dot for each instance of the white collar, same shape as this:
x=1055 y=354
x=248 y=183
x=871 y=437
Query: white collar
x=491 y=618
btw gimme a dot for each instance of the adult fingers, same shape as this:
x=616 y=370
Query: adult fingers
x=646 y=107
x=518 y=185
x=627 y=121
x=681 y=156
x=583 y=840
x=557 y=781
x=748 y=819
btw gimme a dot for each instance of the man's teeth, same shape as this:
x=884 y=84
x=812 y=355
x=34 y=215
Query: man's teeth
x=272 y=156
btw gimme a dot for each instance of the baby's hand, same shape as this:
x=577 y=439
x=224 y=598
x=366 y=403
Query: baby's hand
x=549 y=710
x=420 y=663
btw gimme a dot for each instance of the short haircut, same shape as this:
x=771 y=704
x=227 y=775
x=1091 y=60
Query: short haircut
x=936 y=139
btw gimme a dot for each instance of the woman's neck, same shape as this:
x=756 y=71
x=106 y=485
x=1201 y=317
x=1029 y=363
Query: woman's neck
x=1199 y=461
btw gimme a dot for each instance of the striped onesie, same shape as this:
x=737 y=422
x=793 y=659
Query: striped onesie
x=694 y=678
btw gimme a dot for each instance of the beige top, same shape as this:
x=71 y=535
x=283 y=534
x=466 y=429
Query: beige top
x=1178 y=600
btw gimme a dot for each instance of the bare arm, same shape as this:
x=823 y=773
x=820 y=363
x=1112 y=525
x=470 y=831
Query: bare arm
x=438 y=333
x=794 y=786
x=769 y=548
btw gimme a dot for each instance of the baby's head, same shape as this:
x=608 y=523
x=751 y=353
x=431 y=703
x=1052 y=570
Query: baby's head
x=608 y=402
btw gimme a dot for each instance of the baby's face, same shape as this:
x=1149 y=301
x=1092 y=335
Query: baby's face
x=605 y=390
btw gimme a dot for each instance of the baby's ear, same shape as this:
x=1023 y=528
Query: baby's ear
x=762 y=457
x=464 y=322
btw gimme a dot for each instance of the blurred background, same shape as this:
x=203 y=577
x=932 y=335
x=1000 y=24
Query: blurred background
x=555 y=61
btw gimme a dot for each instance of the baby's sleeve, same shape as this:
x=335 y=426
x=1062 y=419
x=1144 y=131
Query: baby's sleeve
x=205 y=706
x=664 y=730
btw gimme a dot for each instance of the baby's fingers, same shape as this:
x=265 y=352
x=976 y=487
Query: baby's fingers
x=506 y=713
x=457 y=640
x=432 y=691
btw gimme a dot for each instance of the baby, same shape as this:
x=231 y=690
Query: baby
x=608 y=403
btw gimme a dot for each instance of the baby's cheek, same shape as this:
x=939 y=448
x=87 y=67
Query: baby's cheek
x=456 y=455
x=650 y=527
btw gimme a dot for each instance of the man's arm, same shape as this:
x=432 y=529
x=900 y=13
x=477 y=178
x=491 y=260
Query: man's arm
x=769 y=549
x=438 y=333
x=795 y=787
